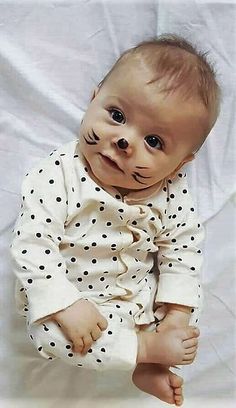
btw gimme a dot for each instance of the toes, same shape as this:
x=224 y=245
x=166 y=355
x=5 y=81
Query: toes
x=178 y=400
x=190 y=342
x=191 y=350
x=191 y=332
x=178 y=391
x=176 y=381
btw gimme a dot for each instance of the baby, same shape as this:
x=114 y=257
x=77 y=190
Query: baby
x=104 y=213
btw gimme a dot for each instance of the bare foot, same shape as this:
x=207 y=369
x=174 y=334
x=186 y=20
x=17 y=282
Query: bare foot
x=157 y=380
x=170 y=347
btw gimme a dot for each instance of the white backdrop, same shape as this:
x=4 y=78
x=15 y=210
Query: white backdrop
x=52 y=55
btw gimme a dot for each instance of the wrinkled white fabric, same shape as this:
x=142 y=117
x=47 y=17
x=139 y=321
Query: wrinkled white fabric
x=52 y=54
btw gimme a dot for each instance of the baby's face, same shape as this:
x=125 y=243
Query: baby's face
x=133 y=135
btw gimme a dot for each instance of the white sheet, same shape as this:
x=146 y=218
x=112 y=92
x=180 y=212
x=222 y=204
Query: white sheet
x=52 y=54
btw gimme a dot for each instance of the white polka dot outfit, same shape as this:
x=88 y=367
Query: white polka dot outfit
x=77 y=239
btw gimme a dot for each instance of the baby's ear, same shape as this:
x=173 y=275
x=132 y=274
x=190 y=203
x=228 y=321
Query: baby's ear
x=187 y=159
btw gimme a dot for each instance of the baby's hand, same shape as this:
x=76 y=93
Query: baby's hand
x=82 y=324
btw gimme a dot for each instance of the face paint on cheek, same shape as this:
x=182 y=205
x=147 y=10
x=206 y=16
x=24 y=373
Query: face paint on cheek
x=137 y=175
x=93 y=138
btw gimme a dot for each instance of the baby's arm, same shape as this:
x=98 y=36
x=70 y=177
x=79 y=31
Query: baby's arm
x=179 y=257
x=81 y=323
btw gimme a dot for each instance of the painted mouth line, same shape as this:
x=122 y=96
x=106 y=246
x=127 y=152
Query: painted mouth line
x=111 y=162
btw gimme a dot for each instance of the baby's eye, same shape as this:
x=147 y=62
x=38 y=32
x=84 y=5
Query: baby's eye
x=117 y=115
x=154 y=142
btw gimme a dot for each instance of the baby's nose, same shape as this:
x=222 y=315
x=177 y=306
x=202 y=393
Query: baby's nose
x=122 y=144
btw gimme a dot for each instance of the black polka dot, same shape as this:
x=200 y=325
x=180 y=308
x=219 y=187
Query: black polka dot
x=38 y=235
x=41 y=267
x=170 y=265
x=30 y=281
x=94 y=261
x=57 y=162
x=52 y=344
x=172 y=196
x=108 y=224
x=104 y=236
x=58 y=199
x=48 y=220
x=97 y=189
x=24 y=251
x=48 y=276
x=83 y=179
x=47 y=251
x=185 y=191
x=51 y=181
x=73 y=259
x=77 y=224
x=103 y=350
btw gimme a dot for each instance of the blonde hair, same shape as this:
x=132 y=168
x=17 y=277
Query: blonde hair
x=180 y=66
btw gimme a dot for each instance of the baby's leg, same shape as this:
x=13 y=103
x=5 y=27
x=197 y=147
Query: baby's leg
x=170 y=347
x=115 y=349
x=159 y=381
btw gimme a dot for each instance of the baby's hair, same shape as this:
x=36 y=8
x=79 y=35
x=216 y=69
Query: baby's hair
x=176 y=64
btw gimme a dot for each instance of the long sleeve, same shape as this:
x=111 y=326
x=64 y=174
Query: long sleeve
x=37 y=261
x=179 y=256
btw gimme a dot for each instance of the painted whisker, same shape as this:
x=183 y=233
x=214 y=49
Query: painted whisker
x=90 y=142
x=135 y=175
x=140 y=175
x=95 y=136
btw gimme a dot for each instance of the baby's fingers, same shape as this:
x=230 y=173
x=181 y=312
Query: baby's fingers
x=88 y=341
x=102 y=323
x=78 y=345
x=96 y=333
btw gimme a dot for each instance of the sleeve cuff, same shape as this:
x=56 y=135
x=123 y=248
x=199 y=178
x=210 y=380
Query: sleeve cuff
x=182 y=290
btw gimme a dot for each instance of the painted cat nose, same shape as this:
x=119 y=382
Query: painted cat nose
x=122 y=144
